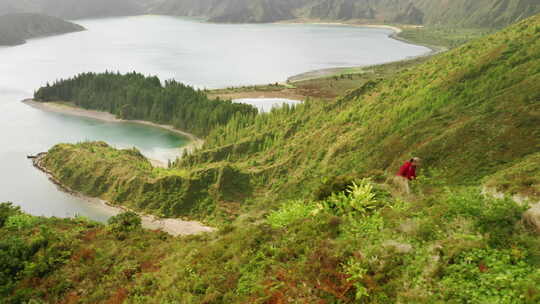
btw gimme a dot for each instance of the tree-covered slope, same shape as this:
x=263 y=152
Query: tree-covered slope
x=470 y=111
x=134 y=96
x=16 y=28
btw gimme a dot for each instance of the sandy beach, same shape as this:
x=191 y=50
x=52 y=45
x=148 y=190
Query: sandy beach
x=59 y=107
x=172 y=226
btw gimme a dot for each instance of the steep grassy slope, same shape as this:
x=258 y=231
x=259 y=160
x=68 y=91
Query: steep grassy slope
x=125 y=177
x=16 y=28
x=469 y=113
x=521 y=178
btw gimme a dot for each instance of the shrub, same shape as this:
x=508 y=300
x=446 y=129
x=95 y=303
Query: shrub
x=496 y=217
x=125 y=222
x=358 y=199
x=7 y=210
x=486 y=276
x=290 y=212
x=21 y=221
x=334 y=185
x=356 y=274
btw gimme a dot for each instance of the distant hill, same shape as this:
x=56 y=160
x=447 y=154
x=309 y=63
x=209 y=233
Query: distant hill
x=465 y=13
x=16 y=28
x=231 y=11
x=76 y=9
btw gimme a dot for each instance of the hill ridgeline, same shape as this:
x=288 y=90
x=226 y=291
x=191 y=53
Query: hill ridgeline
x=486 y=13
x=16 y=28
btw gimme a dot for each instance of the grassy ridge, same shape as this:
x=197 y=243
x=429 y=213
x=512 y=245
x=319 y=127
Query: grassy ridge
x=126 y=177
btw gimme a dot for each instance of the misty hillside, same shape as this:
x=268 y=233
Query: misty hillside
x=16 y=28
x=74 y=9
x=485 y=13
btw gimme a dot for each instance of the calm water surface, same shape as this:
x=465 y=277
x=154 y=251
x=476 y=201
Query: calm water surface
x=200 y=54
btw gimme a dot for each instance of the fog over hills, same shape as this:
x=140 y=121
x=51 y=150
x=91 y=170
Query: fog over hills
x=16 y=28
x=74 y=9
x=465 y=13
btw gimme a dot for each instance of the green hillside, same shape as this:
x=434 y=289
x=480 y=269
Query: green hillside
x=461 y=13
x=470 y=112
x=298 y=220
x=16 y=28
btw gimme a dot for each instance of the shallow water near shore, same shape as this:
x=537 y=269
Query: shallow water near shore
x=200 y=54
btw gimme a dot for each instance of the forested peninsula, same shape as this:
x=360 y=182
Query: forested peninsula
x=134 y=96
x=16 y=28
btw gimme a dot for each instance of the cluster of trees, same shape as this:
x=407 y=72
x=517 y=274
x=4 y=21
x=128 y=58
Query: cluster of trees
x=135 y=96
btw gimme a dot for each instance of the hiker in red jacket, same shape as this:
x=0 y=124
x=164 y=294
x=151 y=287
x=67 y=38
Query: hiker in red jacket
x=406 y=173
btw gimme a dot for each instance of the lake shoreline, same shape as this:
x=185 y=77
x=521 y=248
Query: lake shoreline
x=321 y=73
x=57 y=107
x=172 y=226
x=327 y=72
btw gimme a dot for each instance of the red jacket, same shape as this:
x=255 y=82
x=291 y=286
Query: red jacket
x=408 y=170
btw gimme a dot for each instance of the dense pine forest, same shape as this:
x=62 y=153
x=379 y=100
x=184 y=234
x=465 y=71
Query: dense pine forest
x=134 y=96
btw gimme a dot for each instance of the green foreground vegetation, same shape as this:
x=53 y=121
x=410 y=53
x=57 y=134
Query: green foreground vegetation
x=360 y=246
x=304 y=200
